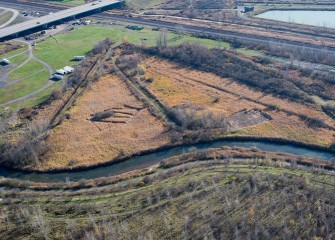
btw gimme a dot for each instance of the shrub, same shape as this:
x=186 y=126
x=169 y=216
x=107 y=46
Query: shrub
x=27 y=149
x=313 y=122
x=102 y=46
x=56 y=94
x=191 y=118
x=226 y=63
x=102 y=115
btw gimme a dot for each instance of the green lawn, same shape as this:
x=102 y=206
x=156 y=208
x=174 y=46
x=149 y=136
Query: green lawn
x=74 y=2
x=248 y=52
x=206 y=42
x=5 y=17
x=145 y=4
x=59 y=54
x=24 y=87
x=71 y=2
x=31 y=67
x=17 y=60
x=13 y=53
x=77 y=42
x=38 y=98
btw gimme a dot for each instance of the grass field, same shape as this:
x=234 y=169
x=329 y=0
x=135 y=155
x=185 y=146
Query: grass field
x=32 y=67
x=36 y=99
x=71 y=44
x=24 y=87
x=176 y=85
x=17 y=60
x=144 y=4
x=16 y=57
x=5 y=17
x=71 y=2
x=13 y=53
x=74 y=2
x=79 y=141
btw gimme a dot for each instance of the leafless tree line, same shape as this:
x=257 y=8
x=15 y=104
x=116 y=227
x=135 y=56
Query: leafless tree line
x=222 y=206
x=25 y=149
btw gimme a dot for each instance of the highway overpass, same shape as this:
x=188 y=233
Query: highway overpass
x=44 y=21
x=189 y=29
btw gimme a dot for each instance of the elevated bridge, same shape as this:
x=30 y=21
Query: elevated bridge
x=43 y=22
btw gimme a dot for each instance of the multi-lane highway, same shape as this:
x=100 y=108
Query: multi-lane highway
x=54 y=17
x=40 y=6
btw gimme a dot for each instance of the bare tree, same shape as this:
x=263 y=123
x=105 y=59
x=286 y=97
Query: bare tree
x=162 y=39
x=40 y=223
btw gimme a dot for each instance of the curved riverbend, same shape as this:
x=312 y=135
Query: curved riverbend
x=154 y=158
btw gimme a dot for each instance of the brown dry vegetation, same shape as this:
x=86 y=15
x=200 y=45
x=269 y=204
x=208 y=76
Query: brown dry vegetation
x=175 y=85
x=78 y=141
x=7 y=47
x=216 y=199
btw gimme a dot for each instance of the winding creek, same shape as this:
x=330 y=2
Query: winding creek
x=155 y=158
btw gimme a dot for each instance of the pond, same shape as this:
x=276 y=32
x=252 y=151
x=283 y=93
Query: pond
x=314 y=18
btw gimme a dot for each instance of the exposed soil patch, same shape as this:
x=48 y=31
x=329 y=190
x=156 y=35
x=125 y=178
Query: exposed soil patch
x=247 y=118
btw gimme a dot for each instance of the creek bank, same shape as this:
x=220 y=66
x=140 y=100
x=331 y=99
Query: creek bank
x=152 y=157
x=241 y=139
x=223 y=156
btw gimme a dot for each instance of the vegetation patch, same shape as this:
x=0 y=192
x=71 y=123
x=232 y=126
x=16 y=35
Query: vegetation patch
x=8 y=49
x=81 y=142
x=219 y=199
x=52 y=51
x=71 y=2
x=5 y=17
x=24 y=87
x=175 y=85
x=31 y=68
